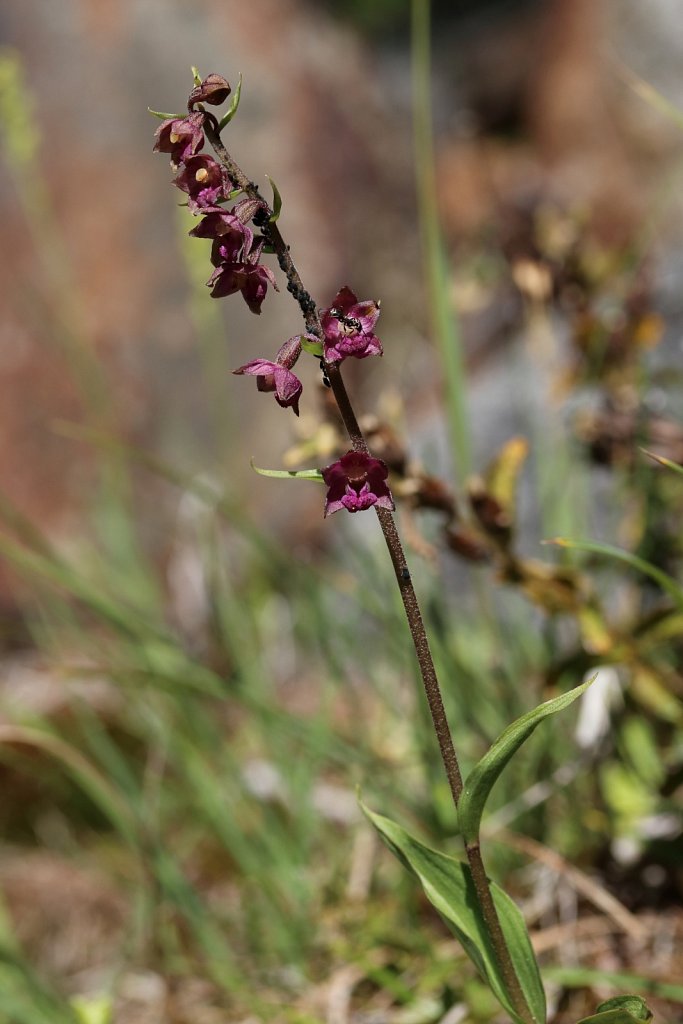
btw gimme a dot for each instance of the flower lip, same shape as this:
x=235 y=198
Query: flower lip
x=356 y=482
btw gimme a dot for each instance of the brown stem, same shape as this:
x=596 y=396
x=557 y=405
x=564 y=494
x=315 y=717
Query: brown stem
x=412 y=608
x=403 y=578
x=269 y=229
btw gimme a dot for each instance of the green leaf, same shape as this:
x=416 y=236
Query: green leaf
x=611 y=1017
x=635 y=1005
x=668 y=585
x=314 y=347
x=483 y=776
x=448 y=885
x=289 y=474
x=165 y=117
x=232 y=109
x=277 y=201
x=620 y=1010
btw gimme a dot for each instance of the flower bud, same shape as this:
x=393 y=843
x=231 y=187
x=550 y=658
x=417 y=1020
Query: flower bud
x=214 y=90
x=289 y=352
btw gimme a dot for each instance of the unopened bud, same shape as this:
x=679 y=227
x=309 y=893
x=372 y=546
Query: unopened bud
x=289 y=352
x=214 y=90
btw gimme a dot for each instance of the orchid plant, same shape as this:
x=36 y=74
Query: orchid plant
x=484 y=918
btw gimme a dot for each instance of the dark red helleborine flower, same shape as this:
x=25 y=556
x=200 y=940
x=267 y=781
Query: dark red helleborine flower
x=356 y=482
x=204 y=180
x=180 y=136
x=274 y=377
x=348 y=327
x=231 y=238
x=252 y=279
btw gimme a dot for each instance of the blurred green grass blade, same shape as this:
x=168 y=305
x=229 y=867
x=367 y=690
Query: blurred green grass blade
x=58 y=573
x=585 y=977
x=486 y=772
x=89 y=778
x=674 y=466
x=108 y=753
x=178 y=890
x=667 y=584
x=27 y=532
x=444 y=320
x=652 y=96
x=25 y=998
x=259 y=842
x=448 y=885
x=207 y=491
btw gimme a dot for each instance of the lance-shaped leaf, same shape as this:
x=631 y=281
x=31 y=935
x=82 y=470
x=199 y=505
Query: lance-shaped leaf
x=448 y=886
x=277 y=201
x=289 y=474
x=483 y=776
x=232 y=109
x=620 y=1010
x=165 y=117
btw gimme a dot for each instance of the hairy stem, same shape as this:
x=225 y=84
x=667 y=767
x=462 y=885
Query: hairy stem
x=403 y=577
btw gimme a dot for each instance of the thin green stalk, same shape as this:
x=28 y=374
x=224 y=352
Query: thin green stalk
x=445 y=325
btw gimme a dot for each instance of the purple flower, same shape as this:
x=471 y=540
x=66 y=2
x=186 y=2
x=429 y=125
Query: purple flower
x=348 y=328
x=275 y=377
x=246 y=276
x=204 y=180
x=214 y=89
x=250 y=279
x=231 y=237
x=356 y=482
x=182 y=137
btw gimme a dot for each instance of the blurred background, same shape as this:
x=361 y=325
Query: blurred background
x=187 y=704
